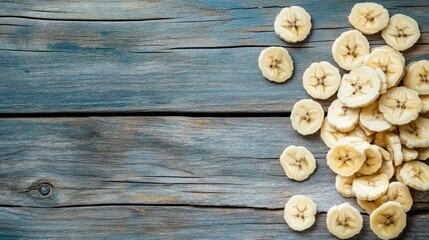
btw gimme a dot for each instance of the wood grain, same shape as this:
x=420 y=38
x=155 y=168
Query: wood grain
x=162 y=56
x=148 y=222
x=159 y=160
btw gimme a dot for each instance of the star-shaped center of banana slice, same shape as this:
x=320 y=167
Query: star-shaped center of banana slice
x=389 y=220
x=401 y=33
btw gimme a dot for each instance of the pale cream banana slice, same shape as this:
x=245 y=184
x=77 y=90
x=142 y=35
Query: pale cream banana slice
x=369 y=206
x=400 y=105
x=425 y=103
x=394 y=146
x=366 y=130
x=344 y=185
x=297 y=162
x=371 y=118
x=356 y=141
x=397 y=192
x=307 y=116
x=275 y=64
x=387 y=168
x=373 y=161
x=409 y=154
x=300 y=212
x=345 y=159
x=390 y=61
x=369 y=18
x=370 y=187
x=383 y=80
x=417 y=76
x=341 y=117
x=321 y=80
x=415 y=174
x=331 y=136
x=293 y=24
x=344 y=221
x=401 y=33
x=349 y=49
x=415 y=134
x=423 y=153
x=385 y=155
x=360 y=87
x=388 y=221
x=397 y=175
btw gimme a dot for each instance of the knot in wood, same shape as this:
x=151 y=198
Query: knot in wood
x=45 y=189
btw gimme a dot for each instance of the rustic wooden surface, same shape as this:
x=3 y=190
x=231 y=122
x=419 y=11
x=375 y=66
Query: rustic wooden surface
x=189 y=133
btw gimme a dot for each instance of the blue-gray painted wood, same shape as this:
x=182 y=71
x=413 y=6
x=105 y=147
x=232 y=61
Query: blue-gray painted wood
x=160 y=222
x=179 y=56
x=160 y=176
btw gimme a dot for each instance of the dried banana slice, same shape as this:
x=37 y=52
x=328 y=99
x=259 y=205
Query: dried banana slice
x=321 y=80
x=373 y=161
x=307 y=116
x=293 y=24
x=360 y=87
x=397 y=192
x=371 y=118
x=390 y=61
x=415 y=174
x=342 y=117
x=344 y=185
x=345 y=159
x=369 y=18
x=409 y=154
x=417 y=76
x=300 y=212
x=400 y=105
x=388 y=221
x=344 y=221
x=275 y=64
x=370 y=187
x=349 y=49
x=297 y=162
x=401 y=33
x=415 y=134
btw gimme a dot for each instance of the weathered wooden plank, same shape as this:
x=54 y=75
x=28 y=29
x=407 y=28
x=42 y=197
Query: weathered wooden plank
x=159 y=160
x=149 y=222
x=180 y=56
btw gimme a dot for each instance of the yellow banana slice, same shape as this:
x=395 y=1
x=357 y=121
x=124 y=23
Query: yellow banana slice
x=293 y=24
x=388 y=221
x=399 y=193
x=344 y=221
x=387 y=168
x=401 y=33
x=371 y=118
x=423 y=153
x=370 y=187
x=416 y=133
x=394 y=147
x=417 y=76
x=297 y=162
x=373 y=161
x=409 y=154
x=415 y=174
x=369 y=18
x=360 y=87
x=400 y=105
x=345 y=159
x=425 y=103
x=275 y=64
x=300 y=212
x=390 y=61
x=307 y=116
x=368 y=206
x=349 y=49
x=342 y=117
x=321 y=80
x=344 y=185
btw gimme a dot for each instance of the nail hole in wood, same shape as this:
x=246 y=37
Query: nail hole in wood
x=45 y=189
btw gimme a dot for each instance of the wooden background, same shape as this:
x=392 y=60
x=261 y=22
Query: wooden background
x=150 y=119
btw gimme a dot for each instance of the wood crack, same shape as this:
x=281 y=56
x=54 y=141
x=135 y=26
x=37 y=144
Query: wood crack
x=88 y=20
